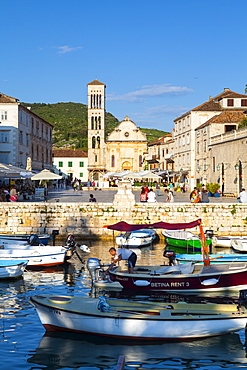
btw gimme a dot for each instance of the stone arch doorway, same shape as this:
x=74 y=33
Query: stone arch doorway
x=126 y=166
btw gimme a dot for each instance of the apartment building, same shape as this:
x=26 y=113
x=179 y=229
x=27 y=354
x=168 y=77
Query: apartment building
x=188 y=147
x=24 y=136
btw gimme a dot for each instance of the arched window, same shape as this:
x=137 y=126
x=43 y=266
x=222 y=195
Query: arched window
x=113 y=160
x=93 y=142
x=92 y=123
x=99 y=125
x=96 y=123
x=100 y=103
x=98 y=142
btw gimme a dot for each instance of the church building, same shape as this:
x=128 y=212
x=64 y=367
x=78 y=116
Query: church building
x=125 y=146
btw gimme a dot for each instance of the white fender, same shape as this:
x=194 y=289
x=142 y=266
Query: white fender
x=142 y=283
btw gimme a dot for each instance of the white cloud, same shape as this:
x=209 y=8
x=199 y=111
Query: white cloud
x=149 y=91
x=66 y=49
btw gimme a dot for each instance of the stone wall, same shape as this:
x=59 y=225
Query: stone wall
x=88 y=219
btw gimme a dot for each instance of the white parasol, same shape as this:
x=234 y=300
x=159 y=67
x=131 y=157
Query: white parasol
x=46 y=175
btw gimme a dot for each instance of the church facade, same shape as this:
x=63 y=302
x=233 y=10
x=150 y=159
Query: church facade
x=123 y=149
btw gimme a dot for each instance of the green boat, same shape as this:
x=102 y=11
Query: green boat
x=184 y=240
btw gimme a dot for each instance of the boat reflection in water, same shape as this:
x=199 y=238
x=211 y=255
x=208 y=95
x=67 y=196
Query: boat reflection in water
x=72 y=351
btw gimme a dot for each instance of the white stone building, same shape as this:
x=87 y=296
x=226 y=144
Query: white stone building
x=185 y=131
x=24 y=135
x=71 y=163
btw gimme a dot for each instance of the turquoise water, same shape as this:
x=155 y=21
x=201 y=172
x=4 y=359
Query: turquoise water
x=25 y=345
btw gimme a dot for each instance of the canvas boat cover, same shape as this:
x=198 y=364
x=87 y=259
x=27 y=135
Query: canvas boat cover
x=124 y=226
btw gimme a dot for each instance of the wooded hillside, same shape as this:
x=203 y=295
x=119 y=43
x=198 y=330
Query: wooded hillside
x=70 y=123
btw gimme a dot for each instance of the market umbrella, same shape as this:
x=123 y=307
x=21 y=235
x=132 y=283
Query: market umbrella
x=46 y=175
x=151 y=175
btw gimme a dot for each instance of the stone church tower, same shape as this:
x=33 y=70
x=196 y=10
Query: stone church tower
x=125 y=147
x=96 y=130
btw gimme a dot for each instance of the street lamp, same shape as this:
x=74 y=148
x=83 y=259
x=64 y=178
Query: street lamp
x=198 y=168
x=218 y=167
x=236 y=167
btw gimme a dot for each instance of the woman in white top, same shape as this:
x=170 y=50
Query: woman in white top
x=169 y=197
x=151 y=196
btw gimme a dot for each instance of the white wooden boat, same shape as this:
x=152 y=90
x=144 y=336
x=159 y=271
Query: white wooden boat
x=240 y=245
x=226 y=241
x=134 y=320
x=12 y=269
x=37 y=256
x=136 y=238
x=24 y=239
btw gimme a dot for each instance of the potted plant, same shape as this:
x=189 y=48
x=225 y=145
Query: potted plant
x=212 y=189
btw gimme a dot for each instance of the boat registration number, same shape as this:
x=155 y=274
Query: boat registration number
x=56 y=312
x=174 y=284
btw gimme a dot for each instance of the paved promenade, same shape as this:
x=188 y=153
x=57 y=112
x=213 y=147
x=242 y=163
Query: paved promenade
x=107 y=195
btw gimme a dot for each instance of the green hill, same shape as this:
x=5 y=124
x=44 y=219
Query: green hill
x=70 y=123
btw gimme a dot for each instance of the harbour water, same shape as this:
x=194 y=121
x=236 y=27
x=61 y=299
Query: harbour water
x=26 y=345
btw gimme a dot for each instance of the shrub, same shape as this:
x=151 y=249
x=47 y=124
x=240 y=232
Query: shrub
x=212 y=187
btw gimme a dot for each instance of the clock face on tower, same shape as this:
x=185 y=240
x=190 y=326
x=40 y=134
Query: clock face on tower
x=126 y=134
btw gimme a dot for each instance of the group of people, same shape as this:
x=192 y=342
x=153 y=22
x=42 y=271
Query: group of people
x=147 y=195
x=8 y=194
x=199 y=196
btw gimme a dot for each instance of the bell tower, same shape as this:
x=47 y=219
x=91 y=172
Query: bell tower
x=96 y=130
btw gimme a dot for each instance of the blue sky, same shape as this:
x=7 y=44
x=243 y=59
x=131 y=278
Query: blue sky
x=158 y=58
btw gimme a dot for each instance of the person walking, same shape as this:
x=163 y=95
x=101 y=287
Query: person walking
x=157 y=189
x=124 y=254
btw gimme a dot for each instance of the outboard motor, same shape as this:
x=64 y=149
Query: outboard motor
x=171 y=255
x=242 y=300
x=94 y=267
x=209 y=234
x=34 y=240
x=70 y=241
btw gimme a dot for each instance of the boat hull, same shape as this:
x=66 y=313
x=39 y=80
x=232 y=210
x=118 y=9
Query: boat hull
x=83 y=317
x=214 y=258
x=12 y=269
x=45 y=256
x=136 y=239
x=213 y=280
x=21 y=238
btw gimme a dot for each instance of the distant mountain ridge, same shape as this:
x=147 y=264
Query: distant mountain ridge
x=71 y=124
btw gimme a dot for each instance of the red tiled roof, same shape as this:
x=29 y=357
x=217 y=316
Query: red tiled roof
x=7 y=99
x=96 y=82
x=160 y=140
x=225 y=117
x=213 y=104
x=68 y=153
